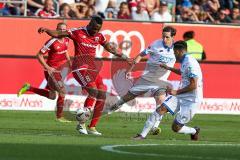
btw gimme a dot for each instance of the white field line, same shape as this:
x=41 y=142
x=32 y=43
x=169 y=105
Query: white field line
x=113 y=148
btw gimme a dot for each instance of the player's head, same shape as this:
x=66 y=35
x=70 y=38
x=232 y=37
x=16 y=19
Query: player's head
x=61 y=26
x=188 y=35
x=94 y=25
x=168 y=34
x=179 y=47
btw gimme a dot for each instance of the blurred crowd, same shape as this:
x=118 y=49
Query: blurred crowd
x=190 y=11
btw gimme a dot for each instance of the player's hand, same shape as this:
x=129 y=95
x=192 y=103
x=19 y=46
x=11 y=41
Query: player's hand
x=164 y=66
x=51 y=70
x=42 y=30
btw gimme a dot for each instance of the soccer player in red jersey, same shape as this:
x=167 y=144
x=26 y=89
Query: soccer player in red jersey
x=58 y=57
x=86 y=39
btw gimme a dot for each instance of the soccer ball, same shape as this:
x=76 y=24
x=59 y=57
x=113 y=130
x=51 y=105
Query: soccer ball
x=83 y=114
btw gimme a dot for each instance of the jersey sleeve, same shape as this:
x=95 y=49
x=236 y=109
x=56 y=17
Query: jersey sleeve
x=72 y=32
x=47 y=46
x=102 y=39
x=147 y=51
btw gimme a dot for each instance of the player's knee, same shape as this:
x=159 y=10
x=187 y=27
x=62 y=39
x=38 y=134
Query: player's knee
x=161 y=110
x=52 y=95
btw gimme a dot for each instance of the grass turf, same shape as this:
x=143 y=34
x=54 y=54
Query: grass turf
x=26 y=135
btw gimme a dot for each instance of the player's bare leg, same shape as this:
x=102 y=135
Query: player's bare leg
x=126 y=98
x=42 y=92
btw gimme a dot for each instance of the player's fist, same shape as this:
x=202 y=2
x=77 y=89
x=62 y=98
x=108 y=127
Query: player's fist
x=41 y=30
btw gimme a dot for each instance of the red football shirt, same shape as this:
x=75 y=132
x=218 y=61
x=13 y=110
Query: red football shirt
x=56 y=50
x=85 y=47
x=45 y=14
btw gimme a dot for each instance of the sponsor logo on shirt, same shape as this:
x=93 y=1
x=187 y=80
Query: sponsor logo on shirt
x=88 y=45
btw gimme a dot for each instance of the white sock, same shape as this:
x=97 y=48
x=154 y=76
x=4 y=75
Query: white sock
x=150 y=123
x=157 y=123
x=187 y=130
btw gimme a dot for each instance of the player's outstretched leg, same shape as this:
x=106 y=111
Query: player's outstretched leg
x=152 y=119
x=42 y=92
x=24 y=89
x=126 y=98
x=186 y=113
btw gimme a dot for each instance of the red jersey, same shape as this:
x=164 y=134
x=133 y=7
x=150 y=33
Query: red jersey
x=85 y=47
x=56 y=50
x=45 y=14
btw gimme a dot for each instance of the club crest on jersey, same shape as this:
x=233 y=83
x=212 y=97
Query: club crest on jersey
x=96 y=39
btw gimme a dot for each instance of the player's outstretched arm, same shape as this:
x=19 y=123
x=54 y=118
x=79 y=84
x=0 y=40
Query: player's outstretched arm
x=175 y=70
x=114 y=51
x=53 y=33
x=136 y=60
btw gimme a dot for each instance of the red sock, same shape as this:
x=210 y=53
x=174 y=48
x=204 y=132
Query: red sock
x=60 y=104
x=90 y=102
x=97 y=112
x=41 y=92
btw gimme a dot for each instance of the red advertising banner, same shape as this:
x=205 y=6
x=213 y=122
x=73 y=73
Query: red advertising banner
x=20 y=37
x=220 y=80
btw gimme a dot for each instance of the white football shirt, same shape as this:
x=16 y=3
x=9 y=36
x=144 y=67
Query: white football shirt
x=190 y=68
x=159 y=54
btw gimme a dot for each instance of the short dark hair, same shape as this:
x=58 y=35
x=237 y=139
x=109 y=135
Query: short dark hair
x=97 y=19
x=189 y=35
x=180 y=45
x=170 y=29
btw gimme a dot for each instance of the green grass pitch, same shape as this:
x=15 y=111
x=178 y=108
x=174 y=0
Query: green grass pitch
x=27 y=135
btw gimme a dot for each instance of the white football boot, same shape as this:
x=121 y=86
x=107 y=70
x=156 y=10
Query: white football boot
x=82 y=128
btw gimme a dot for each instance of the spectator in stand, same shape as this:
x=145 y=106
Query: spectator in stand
x=140 y=14
x=187 y=15
x=111 y=11
x=132 y=4
x=70 y=2
x=152 y=6
x=90 y=12
x=33 y=6
x=81 y=10
x=172 y=7
x=47 y=11
x=101 y=6
x=205 y=17
x=124 y=12
x=223 y=17
x=235 y=15
x=66 y=11
x=162 y=15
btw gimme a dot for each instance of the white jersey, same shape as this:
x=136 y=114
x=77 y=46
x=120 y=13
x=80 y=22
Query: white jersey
x=159 y=54
x=190 y=68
